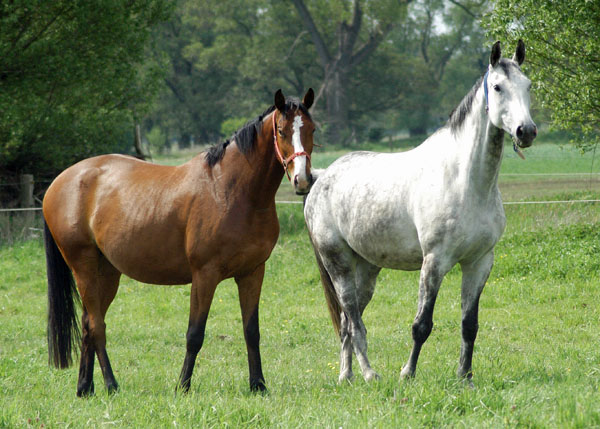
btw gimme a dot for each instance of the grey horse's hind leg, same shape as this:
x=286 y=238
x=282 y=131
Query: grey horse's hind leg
x=346 y=350
x=474 y=276
x=365 y=278
x=431 y=278
x=341 y=263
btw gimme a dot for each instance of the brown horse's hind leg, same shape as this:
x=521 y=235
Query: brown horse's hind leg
x=97 y=282
x=201 y=296
x=249 y=288
x=85 y=384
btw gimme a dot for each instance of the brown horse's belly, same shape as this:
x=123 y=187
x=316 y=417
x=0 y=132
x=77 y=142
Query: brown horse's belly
x=151 y=265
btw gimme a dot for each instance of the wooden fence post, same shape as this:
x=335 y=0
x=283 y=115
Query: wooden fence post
x=26 y=191
x=26 y=194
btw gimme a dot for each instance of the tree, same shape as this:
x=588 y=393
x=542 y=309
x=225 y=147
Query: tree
x=563 y=58
x=206 y=43
x=356 y=36
x=438 y=32
x=74 y=78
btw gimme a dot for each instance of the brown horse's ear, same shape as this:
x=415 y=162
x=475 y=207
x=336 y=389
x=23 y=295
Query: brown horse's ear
x=519 y=55
x=279 y=100
x=308 y=99
x=496 y=54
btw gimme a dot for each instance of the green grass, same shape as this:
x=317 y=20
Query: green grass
x=536 y=361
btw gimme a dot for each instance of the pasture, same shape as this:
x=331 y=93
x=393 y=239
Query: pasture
x=536 y=360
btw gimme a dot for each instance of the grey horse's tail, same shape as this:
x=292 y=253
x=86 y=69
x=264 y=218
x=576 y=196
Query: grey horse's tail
x=333 y=304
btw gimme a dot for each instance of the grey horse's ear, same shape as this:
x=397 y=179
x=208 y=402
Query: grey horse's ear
x=519 y=55
x=496 y=54
x=279 y=100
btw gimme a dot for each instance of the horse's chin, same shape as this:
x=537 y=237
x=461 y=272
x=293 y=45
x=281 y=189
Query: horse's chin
x=523 y=144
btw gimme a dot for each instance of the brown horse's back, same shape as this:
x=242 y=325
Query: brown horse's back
x=132 y=211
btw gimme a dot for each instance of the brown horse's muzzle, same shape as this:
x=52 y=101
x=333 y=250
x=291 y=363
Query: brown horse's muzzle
x=302 y=185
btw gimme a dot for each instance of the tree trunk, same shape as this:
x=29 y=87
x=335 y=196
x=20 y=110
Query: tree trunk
x=137 y=143
x=338 y=66
x=337 y=107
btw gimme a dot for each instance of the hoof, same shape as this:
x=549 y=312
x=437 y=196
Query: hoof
x=183 y=387
x=468 y=383
x=345 y=376
x=258 y=386
x=371 y=375
x=407 y=373
x=112 y=388
x=85 y=391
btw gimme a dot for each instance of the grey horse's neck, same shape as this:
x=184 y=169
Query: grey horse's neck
x=481 y=149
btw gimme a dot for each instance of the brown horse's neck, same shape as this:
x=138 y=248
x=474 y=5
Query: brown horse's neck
x=266 y=170
x=251 y=178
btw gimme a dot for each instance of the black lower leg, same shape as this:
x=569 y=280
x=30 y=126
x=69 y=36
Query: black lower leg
x=252 y=336
x=195 y=339
x=421 y=329
x=109 y=378
x=470 y=327
x=85 y=383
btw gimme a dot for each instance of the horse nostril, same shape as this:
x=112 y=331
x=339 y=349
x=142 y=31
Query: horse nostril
x=534 y=131
x=520 y=131
x=296 y=180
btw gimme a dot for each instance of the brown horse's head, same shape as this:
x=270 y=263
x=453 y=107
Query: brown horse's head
x=293 y=133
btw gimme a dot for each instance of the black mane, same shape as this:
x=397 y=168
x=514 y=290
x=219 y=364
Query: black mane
x=245 y=137
x=460 y=112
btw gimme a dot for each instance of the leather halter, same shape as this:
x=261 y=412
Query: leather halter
x=285 y=161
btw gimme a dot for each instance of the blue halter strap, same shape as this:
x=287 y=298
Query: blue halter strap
x=485 y=90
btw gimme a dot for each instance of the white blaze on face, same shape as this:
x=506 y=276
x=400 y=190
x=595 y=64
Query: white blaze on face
x=299 y=161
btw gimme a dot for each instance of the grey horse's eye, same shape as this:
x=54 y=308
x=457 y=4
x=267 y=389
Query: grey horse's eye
x=497 y=88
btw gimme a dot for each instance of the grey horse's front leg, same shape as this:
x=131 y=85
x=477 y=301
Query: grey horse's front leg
x=429 y=285
x=473 y=281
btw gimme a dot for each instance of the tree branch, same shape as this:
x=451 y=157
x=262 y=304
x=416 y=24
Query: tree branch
x=175 y=90
x=309 y=23
x=466 y=9
x=349 y=33
x=44 y=29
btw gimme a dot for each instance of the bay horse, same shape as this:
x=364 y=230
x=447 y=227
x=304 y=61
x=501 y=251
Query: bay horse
x=201 y=222
x=429 y=208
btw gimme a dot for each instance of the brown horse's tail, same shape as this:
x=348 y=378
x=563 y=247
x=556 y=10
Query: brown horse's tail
x=335 y=309
x=63 y=329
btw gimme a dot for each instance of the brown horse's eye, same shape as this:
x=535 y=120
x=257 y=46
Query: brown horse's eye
x=281 y=133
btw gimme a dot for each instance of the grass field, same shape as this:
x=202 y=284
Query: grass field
x=536 y=361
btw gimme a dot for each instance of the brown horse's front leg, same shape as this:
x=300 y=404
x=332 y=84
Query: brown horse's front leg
x=201 y=296
x=249 y=288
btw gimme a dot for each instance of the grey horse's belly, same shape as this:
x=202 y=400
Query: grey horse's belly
x=387 y=242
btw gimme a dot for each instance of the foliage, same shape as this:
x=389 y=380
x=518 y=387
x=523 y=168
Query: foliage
x=563 y=57
x=444 y=53
x=157 y=139
x=73 y=78
x=228 y=58
x=206 y=43
x=230 y=126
